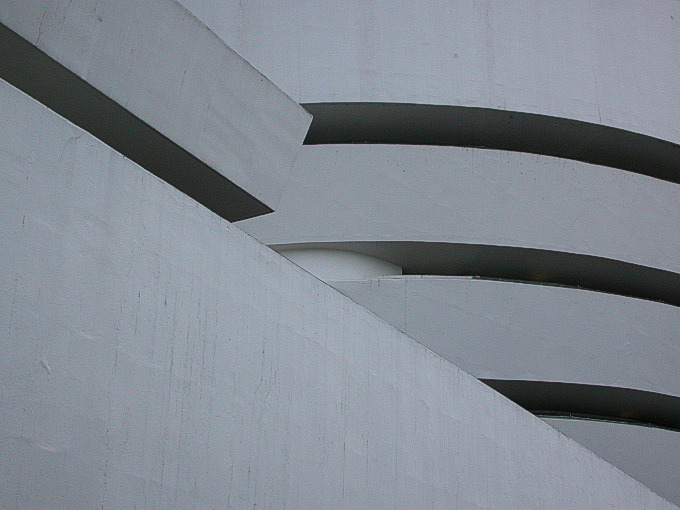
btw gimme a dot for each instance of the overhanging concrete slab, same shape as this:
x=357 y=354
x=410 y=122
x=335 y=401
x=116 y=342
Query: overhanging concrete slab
x=502 y=330
x=154 y=83
x=155 y=355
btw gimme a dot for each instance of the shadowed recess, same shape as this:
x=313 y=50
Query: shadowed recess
x=44 y=79
x=588 y=401
x=420 y=124
x=518 y=264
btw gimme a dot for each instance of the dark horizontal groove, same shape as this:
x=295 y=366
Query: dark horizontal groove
x=587 y=401
x=419 y=124
x=561 y=415
x=518 y=264
x=41 y=77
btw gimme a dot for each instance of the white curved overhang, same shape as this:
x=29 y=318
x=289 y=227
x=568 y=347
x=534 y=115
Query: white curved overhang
x=501 y=330
x=613 y=64
x=395 y=193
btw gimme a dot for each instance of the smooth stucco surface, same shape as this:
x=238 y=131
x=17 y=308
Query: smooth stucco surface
x=615 y=63
x=647 y=454
x=527 y=332
x=598 y=76
x=475 y=196
x=156 y=60
x=155 y=356
x=512 y=330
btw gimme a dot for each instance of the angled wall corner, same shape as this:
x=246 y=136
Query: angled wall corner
x=154 y=355
x=532 y=146
x=154 y=83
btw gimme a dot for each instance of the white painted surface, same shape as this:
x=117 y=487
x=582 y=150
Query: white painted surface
x=615 y=62
x=340 y=264
x=153 y=355
x=159 y=62
x=647 y=454
x=506 y=330
x=464 y=195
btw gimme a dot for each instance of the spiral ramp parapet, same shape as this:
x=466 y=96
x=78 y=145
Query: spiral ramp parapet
x=153 y=355
x=505 y=177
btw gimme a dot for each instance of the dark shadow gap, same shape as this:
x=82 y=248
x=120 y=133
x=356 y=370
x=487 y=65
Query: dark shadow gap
x=44 y=79
x=418 y=124
x=509 y=263
x=586 y=401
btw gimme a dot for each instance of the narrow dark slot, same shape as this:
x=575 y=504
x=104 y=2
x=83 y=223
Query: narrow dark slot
x=419 y=124
x=585 y=401
x=527 y=265
x=47 y=81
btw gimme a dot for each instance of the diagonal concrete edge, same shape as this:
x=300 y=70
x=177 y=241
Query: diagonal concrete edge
x=153 y=82
x=155 y=355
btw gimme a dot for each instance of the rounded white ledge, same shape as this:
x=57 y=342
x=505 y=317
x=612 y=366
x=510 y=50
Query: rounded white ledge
x=340 y=265
x=344 y=193
x=516 y=331
x=615 y=64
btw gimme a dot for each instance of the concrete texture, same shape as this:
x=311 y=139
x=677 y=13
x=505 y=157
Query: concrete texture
x=475 y=196
x=157 y=61
x=592 y=82
x=615 y=63
x=514 y=331
x=647 y=454
x=156 y=356
x=510 y=330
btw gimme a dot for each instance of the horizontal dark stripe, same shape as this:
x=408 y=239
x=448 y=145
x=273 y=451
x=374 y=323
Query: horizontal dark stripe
x=418 y=124
x=44 y=79
x=592 y=402
x=518 y=264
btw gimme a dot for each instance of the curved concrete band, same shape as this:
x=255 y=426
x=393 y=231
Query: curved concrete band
x=605 y=65
x=342 y=193
x=512 y=331
x=153 y=355
x=507 y=330
x=610 y=63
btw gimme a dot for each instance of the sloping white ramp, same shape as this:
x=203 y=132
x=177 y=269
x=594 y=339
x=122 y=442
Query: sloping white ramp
x=154 y=356
x=154 y=83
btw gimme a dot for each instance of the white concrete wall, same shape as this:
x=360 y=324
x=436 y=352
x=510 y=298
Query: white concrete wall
x=647 y=454
x=508 y=330
x=515 y=331
x=615 y=63
x=159 y=62
x=464 y=195
x=155 y=356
